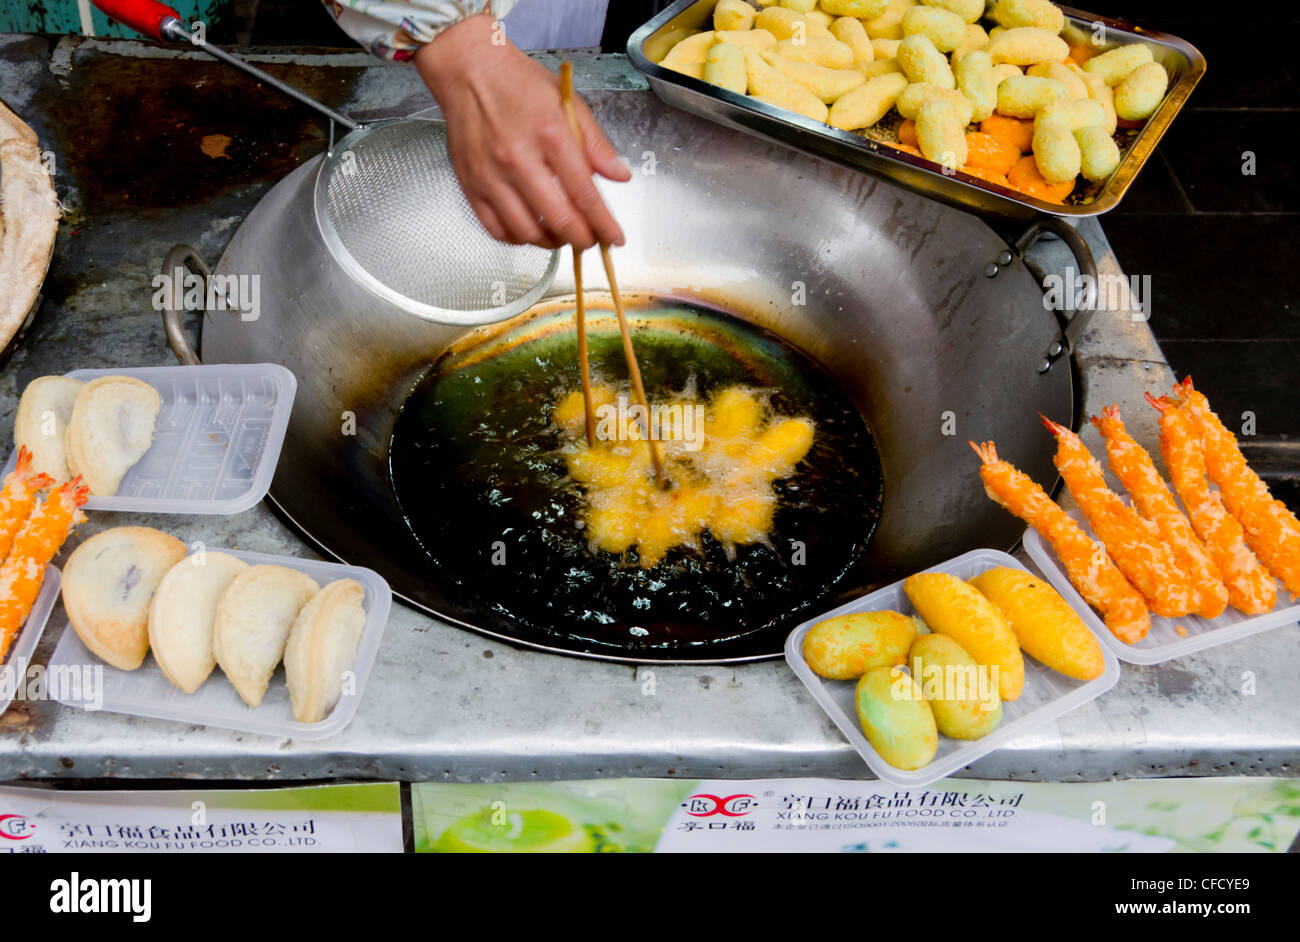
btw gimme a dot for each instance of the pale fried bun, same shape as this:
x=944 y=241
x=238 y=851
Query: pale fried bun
x=42 y=421
x=108 y=585
x=110 y=429
x=252 y=625
x=182 y=614
x=322 y=647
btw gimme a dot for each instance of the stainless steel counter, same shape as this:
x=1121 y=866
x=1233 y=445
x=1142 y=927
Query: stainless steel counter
x=446 y=705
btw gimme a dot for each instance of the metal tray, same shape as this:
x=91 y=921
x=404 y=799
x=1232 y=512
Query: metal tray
x=649 y=44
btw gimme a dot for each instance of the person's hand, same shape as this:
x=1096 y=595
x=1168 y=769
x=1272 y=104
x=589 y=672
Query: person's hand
x=521 y=167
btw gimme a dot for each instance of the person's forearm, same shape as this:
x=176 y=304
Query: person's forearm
x=460 y=52
x=395 y=29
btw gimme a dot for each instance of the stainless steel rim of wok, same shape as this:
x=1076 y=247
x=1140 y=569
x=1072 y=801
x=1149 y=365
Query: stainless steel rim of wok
x=927 y=318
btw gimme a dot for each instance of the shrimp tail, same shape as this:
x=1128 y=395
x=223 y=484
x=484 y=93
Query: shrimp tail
x=988 y=452
x=1183 y=390
x=1161 y=405
x=1053 y=427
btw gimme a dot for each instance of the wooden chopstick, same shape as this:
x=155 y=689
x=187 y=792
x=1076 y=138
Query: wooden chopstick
x=580 y=312
x=633 y=369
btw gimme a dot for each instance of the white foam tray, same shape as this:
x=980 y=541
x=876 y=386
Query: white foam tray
x=1047 y=695
x=146 y=692
x=20 y=653
x=1163 y=641
x=216 y=441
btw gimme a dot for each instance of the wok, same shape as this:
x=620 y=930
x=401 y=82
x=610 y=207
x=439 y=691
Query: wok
x=928 y=319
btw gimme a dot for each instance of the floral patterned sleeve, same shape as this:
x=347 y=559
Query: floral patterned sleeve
x=394 y=29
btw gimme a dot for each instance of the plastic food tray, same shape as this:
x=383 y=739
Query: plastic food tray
x=1163 y=640
x=146 y=692
x=1047 y=694
x=20 y=653
x=216 y=441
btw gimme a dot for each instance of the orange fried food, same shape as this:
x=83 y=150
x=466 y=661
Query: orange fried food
x=1132 y=542
x=23 y=570
x=1272 y=531
x=1025 y=177
x=1089 y=567
x=1081 y=52
x=999 y=178
x=907 y=133
x=1251 y=590
x=1017 y=132
x=1134 y=467
x=988 y=153
x=722 y=479
x=18 y=496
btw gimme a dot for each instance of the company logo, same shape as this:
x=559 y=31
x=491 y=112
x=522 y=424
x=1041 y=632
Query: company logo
x=15 y=827
x=733 y=806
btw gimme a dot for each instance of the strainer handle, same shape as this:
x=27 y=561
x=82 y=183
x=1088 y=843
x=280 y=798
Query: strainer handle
x=143 y=16
x=174 y=266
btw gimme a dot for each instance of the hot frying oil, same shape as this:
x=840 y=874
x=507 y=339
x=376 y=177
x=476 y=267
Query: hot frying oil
x=773 y=480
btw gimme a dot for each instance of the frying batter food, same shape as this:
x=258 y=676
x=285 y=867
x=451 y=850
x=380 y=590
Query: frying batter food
x=1132 y=542
x=1086 y=562
x=803 y=56
x=108 y=586
x=948 y=678
x=966 y=660
x=322 y=646
x=18 y=497
x=182 y=613
x=23 y=571
x=1151 y=497
x=721 y=480
x=130 y=591
x=895 y=718
x=42 y=421
x=954 y=608
x=1272 y=531
x=252 y=623
x=1178 y=566
x=1045 y=625
x=1251 y=590
x=847 y=646
x=110 y=429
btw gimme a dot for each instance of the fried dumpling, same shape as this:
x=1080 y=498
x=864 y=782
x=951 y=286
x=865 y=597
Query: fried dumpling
x=252 y=625
x=322 y=648
x=110 y=429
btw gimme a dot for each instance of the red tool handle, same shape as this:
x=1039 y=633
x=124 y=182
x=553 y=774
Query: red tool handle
x=143 y=16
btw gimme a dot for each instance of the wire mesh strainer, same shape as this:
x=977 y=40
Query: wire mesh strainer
x=392 y=213
x=389 y=206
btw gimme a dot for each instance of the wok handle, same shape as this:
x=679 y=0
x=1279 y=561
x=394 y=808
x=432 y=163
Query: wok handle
x=1073 y=329
x=149 y=17
x=178 y=260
